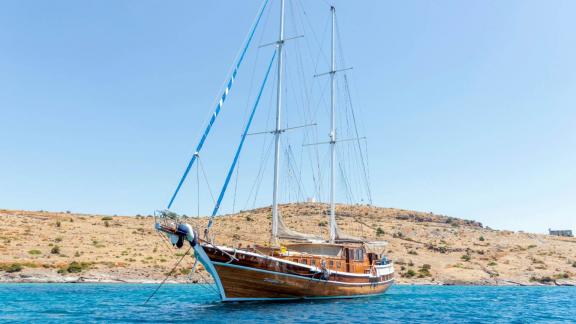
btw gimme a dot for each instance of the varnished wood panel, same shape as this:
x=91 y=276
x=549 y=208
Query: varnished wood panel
x=262 y=263
x=248 y=283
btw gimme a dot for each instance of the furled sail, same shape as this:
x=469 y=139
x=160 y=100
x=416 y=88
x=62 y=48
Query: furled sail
x=286 y=233
x=342 y=237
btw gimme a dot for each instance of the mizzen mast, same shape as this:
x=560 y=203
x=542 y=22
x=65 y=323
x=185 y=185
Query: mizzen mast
x=333 y=134
x=278 y=130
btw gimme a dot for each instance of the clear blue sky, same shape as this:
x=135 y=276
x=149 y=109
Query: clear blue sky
x=469 y=107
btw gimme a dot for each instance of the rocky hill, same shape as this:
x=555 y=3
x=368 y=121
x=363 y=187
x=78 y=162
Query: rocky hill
x=39 y=246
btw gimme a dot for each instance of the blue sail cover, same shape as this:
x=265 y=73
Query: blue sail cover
x=218 y=106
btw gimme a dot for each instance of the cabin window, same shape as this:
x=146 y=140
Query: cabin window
x=295 y=260
x=331 y=263
x=313 y=262
x=304 y=261
x=337 y=265
x=359 y=255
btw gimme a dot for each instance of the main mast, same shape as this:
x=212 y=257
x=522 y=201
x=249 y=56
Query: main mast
x=278 y=130
x=333 y=136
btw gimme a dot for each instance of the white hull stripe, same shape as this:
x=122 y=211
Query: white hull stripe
x=205 y=260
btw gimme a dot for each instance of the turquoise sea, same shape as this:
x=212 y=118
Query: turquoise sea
x=109 y=303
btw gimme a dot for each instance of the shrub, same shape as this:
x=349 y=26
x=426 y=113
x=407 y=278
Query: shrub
x=410 y=273
x=562 y=276
x=492 y=263
x=424 y=271
x=481 y=238
x=323 y=224
x=14 y=267
x=466 y=257
x=35 y=252
x=574 y=264
x=543 y=280
x=58 y=223
x=379 y=231
x=58 y=240
x=412 y=252
x=106 y=224
x=97 y=244
x=74 y=267
x=106 y=218
x=249 y=219
x=55 y=249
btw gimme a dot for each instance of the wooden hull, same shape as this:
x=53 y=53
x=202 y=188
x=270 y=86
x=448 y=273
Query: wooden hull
x=252 y=277
x=241 y=283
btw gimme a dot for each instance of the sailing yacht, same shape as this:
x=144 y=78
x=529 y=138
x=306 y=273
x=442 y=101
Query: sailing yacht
x=294 y=265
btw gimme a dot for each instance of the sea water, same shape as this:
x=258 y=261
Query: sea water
x=186 y=303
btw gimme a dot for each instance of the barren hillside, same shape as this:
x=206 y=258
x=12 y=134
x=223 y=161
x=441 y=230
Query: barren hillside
x=427 y=248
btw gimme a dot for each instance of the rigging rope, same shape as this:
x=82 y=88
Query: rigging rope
x=206 y=179
x=198 y=187
x=235 y=188
x=364 y=161
x=218 y=106
x=167 y=276
x=237 y=155
x=266 y=153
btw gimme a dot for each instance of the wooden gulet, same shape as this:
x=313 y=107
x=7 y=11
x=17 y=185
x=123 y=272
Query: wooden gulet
x=343 y=267
x=301 y=271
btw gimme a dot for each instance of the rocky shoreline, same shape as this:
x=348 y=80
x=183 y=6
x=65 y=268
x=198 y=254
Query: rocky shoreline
x=53 y=277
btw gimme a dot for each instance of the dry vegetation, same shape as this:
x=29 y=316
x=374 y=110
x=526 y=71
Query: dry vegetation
x=427 y=248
